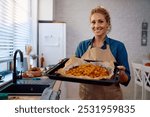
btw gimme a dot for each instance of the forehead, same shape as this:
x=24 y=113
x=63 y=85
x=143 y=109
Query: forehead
x=97 y=16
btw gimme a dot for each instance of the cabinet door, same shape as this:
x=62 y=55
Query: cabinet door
x=46 y=10
x=52 y=42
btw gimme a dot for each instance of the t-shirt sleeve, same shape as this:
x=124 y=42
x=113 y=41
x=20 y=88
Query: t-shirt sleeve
x=80 y=50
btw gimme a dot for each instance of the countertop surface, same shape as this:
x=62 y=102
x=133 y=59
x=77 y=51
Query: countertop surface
x=53 y=89
x=49 y=94
x=6 y=79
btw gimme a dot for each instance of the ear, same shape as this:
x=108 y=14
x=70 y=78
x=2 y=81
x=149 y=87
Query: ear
x=108 y=28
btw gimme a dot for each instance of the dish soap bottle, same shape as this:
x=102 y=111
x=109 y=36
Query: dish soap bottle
x=42 y=60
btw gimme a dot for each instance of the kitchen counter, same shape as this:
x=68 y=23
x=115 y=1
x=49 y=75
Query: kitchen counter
x=24 y=97
x=6 y=79
x=52 y=93
x=56 y=88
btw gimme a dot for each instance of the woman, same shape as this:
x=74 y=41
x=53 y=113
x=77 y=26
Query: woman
x=101 y=25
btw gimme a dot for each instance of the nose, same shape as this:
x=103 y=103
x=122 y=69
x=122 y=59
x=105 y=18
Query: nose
x=97 y=25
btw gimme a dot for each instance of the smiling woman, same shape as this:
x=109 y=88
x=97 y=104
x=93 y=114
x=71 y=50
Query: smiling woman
x=114 y=51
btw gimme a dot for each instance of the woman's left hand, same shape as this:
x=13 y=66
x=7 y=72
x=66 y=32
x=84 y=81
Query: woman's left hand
x=123 y=76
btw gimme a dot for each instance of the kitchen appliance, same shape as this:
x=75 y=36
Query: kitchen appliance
x=52 y=42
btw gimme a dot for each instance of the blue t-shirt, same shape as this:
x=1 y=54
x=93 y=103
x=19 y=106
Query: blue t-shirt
x=117 y=48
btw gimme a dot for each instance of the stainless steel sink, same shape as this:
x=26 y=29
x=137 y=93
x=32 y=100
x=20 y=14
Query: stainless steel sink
x=23 y=89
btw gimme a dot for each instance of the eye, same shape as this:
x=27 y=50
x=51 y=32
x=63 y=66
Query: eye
x=100 y=21
x=93 y=22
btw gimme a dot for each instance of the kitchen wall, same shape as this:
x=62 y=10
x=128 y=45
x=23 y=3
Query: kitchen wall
x=126 y=17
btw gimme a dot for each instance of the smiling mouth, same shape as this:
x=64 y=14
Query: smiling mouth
x=97 y=31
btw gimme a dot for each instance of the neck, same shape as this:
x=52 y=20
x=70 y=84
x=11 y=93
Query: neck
x=100 y=38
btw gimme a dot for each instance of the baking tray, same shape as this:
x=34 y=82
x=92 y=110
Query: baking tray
x=51 y=73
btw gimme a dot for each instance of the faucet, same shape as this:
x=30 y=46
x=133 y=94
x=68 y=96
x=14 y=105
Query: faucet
x=15 y=74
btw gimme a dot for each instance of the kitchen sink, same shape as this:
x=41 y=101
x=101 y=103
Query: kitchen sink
x=23 y=89
x=37 y=81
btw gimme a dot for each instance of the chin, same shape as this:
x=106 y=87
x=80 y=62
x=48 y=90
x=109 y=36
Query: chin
x=98 y=34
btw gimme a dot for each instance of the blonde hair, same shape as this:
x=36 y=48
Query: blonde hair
x=103 y=11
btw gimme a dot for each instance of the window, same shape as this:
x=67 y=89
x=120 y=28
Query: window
x=15 y=29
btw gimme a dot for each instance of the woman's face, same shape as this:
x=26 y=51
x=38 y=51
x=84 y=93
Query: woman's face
x=99 y=24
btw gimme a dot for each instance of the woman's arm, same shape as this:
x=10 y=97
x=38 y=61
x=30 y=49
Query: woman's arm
x=122 y=60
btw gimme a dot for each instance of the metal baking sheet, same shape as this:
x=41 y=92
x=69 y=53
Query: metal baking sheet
x=52 y=75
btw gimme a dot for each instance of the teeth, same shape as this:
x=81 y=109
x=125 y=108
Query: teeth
x=97 y=30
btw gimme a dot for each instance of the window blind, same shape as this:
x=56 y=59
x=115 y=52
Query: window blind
x=15 y=27
x=6 y=30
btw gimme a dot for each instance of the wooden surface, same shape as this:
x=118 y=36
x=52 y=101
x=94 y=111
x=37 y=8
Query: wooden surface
x=24 y=97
